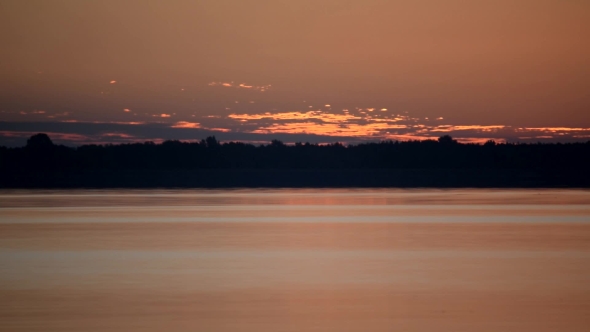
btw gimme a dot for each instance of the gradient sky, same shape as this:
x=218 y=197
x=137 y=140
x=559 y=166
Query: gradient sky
x=297 y=70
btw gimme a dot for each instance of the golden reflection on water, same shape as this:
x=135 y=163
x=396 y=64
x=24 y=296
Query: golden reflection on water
x=295 y=260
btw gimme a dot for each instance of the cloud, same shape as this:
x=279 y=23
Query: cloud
x=555 y=129
x=123 y=122
x=120 y=135
x=390 y=120
x=245 y=86
x=362 y=125
x=451 y=128
x=78 y=133
x=185 y=124
x=479 y=140
x=316 y=126
x=318 y=115
x=407 y=137
x=57 y=115
x=329 y=129
x=223 y=130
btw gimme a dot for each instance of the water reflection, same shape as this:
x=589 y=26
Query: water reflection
x=295 y=260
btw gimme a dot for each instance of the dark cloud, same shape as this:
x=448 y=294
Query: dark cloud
x=77 y=133
x=15 y=134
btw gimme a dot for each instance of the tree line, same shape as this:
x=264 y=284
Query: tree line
x=445 y=153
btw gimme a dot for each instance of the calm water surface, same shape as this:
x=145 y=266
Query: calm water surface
x=295 y=260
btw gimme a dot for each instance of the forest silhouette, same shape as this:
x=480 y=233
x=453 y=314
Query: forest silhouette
x=42 y=163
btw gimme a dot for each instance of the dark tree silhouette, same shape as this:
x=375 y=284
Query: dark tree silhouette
x=39 y=141
x=211 y=142
x=447 y=140
x=277 y=143
x=370 y=161
x=490 y=142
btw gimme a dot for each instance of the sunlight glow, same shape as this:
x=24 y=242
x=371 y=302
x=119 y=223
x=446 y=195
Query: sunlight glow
x=328 y=129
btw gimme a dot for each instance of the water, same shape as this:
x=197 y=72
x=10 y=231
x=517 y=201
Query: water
x=295 y=260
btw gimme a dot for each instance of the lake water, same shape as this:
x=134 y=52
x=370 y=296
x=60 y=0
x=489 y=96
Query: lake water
x=295 y=260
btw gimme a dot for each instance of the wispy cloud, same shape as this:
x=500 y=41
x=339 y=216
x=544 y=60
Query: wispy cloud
x=479 y=140
x=260 y=88
x=451 y=128
x=185 y=124
x=120 y=135
x=318 y=115
x=553 y=129
x=133 y=123
x=223 y=130
x=58 y=115
x=407 y=137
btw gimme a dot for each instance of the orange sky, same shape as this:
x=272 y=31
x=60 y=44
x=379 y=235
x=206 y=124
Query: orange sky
x=517 y=63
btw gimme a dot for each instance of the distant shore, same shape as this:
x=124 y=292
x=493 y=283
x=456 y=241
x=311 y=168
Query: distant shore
x=442 y=163
x=298 y=178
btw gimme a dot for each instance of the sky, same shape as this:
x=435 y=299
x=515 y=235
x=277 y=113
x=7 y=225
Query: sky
x=296 y=70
